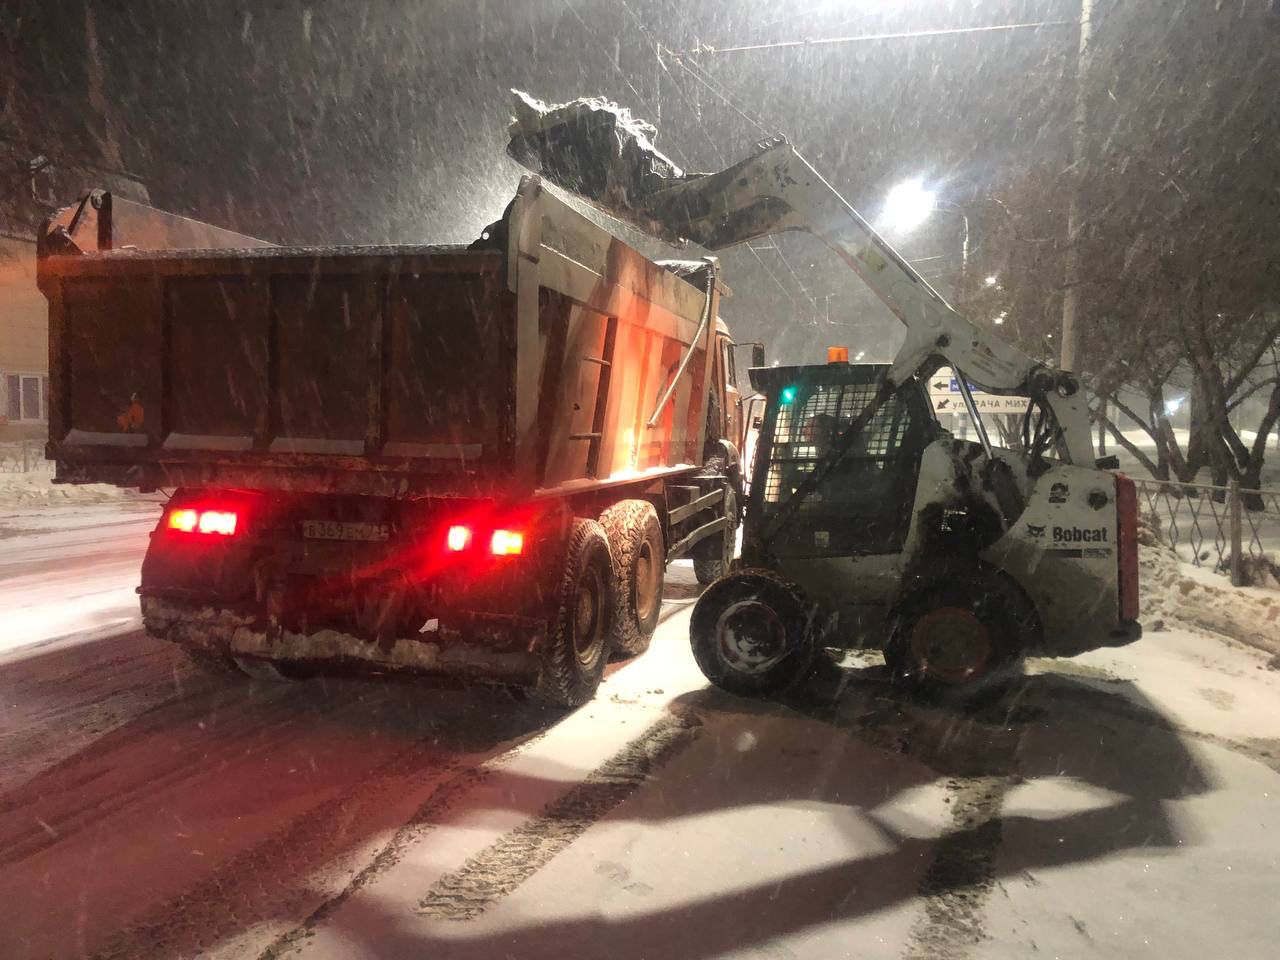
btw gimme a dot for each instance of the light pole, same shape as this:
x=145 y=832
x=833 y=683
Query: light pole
x=1071 y=268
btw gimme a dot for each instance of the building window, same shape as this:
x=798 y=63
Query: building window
x=26 y=397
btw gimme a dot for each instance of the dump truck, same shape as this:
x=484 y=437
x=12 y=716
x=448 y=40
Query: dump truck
x=868 y=524
x=463 y=460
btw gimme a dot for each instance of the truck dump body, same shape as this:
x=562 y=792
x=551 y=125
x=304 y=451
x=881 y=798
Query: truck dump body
x=524 y=367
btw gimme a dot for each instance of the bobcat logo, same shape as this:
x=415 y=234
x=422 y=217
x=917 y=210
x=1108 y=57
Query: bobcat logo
x=1035 y=531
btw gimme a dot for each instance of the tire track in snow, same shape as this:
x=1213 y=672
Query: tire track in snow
x=957 y=883
x=459 y=779
x=515 y=857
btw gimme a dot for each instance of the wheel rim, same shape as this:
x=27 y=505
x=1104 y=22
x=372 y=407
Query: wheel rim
x=646 y=581
x=950 y=645
x=587 y=635
x=751 y=637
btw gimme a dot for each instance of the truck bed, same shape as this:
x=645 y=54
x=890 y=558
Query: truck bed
x=531 y=364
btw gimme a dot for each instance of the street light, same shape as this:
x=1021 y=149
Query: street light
x=907 y=206
x=910 y=203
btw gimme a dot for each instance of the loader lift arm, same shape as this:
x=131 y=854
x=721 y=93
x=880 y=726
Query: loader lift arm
x=773 y=191
x=777 y=190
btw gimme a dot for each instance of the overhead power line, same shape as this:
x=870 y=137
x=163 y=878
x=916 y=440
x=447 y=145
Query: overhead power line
x=705 y=49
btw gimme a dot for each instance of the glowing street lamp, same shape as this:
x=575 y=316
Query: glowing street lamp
x=907 y=206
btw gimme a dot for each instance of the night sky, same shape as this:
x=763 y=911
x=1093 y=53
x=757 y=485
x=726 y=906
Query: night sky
x=361 y=121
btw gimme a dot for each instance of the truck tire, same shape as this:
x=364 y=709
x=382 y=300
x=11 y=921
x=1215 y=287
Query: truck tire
x=711 y=557
x=639 y=562
x=949 y=640
x=577 y=647
x=753 y=633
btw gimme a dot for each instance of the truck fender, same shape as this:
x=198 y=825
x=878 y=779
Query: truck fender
x=721 y=456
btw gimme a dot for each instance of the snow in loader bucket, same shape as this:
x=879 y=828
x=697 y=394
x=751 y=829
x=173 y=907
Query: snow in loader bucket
x=597 y=150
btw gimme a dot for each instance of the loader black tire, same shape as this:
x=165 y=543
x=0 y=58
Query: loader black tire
x=753 y=633
x=639 y=564
x=950 y=640
x=577 y=645
x=712 y=557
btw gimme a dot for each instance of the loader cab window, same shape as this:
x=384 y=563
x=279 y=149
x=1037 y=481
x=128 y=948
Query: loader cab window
x=862 y=504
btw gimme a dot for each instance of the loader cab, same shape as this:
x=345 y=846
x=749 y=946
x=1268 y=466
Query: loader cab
x=861 y=505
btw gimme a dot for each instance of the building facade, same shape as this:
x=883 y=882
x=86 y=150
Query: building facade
x=35 y=186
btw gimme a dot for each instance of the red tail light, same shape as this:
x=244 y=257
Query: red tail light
x=506 y=543
x=222 y=522
x=459 y=538
x=183 y=520
x=1127 y=546
x=219 y=522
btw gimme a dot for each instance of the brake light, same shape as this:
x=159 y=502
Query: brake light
x=183 y=520
x=222 y=522
x=506 y=543
x=459 y=537
x=218 y=522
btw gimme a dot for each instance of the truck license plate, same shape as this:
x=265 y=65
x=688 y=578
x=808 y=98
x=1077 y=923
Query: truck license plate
x=345 y=530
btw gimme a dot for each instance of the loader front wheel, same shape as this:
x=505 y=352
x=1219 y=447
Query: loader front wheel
x=639 y=560
x=577 y=648
x=752 y=633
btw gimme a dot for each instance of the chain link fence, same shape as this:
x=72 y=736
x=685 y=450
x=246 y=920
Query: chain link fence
x=1228 y=529
x=24 y=456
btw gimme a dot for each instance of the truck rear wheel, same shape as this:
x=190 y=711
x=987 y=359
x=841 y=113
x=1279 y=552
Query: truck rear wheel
x=639 y=560
x=577 y=648
x=712 y=557
x=752 y=633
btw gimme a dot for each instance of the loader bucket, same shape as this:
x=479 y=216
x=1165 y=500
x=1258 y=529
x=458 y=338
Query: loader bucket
x=592 y=148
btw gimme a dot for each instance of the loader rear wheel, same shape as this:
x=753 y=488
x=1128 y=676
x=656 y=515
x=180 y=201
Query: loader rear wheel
x=639 y=561
x=577 y=648
x=953 y=639
x=752 y=633
x=712 y=557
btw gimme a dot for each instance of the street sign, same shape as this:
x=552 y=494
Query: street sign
x=944 y=391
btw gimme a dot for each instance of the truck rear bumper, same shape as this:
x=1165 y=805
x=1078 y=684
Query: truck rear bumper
x=472 y=655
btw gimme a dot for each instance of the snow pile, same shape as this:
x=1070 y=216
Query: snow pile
x=594 y=148
x=1176 y=592
x=1260 y=571
x=38 y=487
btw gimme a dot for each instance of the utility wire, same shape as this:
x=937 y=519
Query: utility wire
x=722 y=93
x=711 y=85
x=708 y=49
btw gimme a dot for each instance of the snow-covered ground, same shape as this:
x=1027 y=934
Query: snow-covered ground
x=71 y=568
x=1123 y=803
x=37 y=487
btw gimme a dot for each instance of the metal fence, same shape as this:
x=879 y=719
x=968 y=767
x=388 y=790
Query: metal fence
x=1226 y=528
x=24 y=456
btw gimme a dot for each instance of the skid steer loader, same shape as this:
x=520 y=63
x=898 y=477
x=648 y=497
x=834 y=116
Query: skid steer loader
x=866 y=523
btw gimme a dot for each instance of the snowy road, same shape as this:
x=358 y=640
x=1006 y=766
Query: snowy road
x=1123 y=804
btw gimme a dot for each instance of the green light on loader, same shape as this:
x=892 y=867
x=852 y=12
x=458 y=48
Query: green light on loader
x=788 y=394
